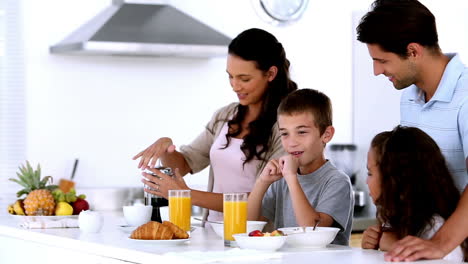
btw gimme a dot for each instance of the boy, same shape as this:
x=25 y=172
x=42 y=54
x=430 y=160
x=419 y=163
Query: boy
x=303 y=187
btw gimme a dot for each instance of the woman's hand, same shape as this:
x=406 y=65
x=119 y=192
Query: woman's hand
x=271 y=172
x=162 y=183
x=151 y=154
x=371 y=237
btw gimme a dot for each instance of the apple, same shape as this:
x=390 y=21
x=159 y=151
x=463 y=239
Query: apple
x=63 y=208
x=80 y=205
x=277 y=233
x=256 y=233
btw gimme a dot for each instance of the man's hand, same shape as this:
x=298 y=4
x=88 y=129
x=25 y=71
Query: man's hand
x=413 y=248
x=371 y=237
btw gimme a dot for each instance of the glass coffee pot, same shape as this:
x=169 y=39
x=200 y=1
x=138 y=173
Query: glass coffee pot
x=154 y=200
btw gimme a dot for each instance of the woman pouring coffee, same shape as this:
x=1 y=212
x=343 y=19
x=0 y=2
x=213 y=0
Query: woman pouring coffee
x=241 y=137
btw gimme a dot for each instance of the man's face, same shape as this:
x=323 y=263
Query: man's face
x=401 y=72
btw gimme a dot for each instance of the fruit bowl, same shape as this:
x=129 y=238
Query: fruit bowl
x=251 y=226
x=39 y=218
x=318 y=238
x=43 y=198
x=265 y=243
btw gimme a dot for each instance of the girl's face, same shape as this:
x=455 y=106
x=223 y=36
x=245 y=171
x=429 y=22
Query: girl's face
x=247 y=81
x=373 y=175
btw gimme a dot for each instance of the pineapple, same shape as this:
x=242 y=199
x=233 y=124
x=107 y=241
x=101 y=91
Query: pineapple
x=39 y=199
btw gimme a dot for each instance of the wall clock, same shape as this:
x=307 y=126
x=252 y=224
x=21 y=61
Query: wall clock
x=280 y=12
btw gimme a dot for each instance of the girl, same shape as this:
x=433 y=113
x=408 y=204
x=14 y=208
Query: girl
x=241 y=137
x=411 y=186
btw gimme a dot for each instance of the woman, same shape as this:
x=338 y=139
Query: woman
x=411 y=186
x=241 y=137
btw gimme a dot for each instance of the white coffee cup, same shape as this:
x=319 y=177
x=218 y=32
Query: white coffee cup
x=90 y=221
x=137 y=214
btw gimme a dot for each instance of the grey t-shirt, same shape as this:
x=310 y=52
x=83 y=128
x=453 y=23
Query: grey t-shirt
x=328 y=191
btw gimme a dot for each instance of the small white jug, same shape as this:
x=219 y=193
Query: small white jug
x=90 y=221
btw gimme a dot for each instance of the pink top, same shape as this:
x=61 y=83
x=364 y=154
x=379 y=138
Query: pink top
x=229 y=173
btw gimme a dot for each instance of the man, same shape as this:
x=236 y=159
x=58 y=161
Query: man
x=402 y=40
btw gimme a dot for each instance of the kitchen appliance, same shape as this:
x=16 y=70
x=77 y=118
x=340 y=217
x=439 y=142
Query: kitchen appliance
x=344 y=157
x=154 y=200
x=144 y=28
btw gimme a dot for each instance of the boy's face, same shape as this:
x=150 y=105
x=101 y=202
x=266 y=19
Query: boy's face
x=373 y=175
x=301 y=138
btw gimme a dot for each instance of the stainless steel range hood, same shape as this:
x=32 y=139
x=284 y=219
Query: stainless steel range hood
x=144 y=28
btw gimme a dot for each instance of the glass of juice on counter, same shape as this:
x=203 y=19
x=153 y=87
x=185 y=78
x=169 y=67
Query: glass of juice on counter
x=180 y=208
x=235 y=216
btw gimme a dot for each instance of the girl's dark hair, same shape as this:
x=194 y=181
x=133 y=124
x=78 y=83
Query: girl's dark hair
x=415 y=181
x=263 y=48
x=393 y=24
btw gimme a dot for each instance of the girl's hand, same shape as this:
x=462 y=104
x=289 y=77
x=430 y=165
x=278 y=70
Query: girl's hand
x=151 y=154
x=289 y=166
x=162 y=183
x=271 y=172
x=371 y=237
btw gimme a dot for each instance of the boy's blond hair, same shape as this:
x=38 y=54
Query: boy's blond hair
x=309 y=100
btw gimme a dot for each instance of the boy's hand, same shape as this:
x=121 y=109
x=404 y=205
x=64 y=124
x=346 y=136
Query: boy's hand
x=289 y=166
x=371 y=237
x=271 y=172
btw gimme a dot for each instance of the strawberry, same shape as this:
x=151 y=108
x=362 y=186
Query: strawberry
x=256 y=233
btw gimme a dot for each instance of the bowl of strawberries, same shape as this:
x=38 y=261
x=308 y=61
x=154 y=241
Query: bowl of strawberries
x=218 y=227
x=259 y=240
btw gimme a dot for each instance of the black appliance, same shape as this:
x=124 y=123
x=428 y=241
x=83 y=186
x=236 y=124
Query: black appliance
x=157 y=201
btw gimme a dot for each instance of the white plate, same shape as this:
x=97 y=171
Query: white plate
x=130 y=229
x=38 y=218
x=161 y=242
x=127 y=228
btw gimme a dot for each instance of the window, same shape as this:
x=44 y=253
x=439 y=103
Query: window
x=12 y=100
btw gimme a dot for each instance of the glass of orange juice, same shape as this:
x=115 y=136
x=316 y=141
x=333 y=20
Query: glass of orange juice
x=235 y=216
x=180 y=208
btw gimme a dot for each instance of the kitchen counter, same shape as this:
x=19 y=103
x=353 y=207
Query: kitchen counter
x=111 y=245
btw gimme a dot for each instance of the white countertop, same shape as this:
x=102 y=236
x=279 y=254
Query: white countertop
x=204 y=246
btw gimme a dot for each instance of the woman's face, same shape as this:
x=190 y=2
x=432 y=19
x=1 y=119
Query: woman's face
x=247 y=81
x=373 y=175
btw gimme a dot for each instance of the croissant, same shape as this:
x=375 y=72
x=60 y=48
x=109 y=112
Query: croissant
x=152 y=231
x=179 y=233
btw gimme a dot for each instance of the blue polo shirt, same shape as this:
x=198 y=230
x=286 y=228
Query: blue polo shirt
x=444 y=117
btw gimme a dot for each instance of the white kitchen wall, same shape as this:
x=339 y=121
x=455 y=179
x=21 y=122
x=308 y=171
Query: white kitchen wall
x=103 y=110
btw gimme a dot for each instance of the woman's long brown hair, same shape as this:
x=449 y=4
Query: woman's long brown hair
x=264 y=50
